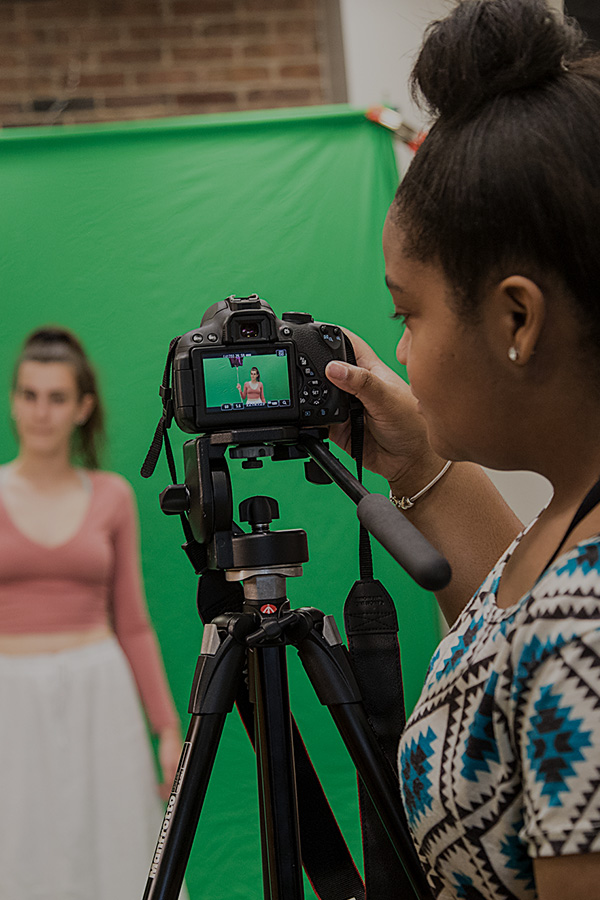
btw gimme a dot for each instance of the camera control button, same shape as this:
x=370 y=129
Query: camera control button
x=303 y=361
x=197 y=338
x=213 y=338
x=286 y=332
x=332 y=336
x=308 y=371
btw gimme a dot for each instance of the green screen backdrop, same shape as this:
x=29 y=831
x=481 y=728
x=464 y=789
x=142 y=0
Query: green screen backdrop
x=127 y=233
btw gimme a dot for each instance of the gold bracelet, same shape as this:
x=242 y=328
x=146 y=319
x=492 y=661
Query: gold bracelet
x=408 y=502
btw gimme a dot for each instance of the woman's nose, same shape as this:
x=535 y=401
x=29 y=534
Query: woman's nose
x=41 y=407
x=402 y=348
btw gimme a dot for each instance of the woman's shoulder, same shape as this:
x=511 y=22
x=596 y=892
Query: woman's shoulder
x=573 y=576
x=564 y=605
x=110 y=484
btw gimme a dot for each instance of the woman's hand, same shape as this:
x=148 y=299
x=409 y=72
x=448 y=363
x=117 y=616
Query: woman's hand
x=169 y=752
x=396 y=444
x=464 y=517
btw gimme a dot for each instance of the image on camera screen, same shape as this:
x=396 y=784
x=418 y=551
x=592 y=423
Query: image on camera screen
x=240 y=380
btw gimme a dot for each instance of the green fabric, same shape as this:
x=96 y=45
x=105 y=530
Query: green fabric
x=126 y=233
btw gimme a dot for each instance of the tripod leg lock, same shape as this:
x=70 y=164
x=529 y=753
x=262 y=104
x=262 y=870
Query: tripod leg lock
x=328 y=667
x=217 y=675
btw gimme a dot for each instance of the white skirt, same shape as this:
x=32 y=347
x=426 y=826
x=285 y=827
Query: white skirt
x=80 y=812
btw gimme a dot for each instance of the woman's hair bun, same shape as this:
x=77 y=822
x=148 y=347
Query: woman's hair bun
x=486 y=48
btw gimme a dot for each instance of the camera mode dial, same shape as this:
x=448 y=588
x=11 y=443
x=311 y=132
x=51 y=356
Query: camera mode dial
x=298 y=318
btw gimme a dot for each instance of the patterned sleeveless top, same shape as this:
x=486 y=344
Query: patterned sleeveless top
x=500 y=761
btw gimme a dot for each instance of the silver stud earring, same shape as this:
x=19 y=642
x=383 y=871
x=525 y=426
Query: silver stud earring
x=513 y=354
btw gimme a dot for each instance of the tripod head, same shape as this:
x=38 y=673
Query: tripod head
x=206 y=498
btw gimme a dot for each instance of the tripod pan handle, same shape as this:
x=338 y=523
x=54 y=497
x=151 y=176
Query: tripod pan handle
x=404 y=542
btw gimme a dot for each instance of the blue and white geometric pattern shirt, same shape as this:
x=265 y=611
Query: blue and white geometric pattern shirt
x=500 y=761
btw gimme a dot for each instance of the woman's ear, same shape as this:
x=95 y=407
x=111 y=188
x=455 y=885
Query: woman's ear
x=86 y=408
x=521 y=308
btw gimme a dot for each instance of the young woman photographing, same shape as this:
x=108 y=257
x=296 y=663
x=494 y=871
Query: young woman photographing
x=492 y=256
x=77 y=783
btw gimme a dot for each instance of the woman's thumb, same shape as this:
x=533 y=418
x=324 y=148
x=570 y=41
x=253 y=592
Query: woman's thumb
x=349 y=378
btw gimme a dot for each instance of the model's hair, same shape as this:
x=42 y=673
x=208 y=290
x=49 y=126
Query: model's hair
x=507 y=180
x=54 y=344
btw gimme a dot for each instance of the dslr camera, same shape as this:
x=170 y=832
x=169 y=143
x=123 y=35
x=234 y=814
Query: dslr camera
x=245 y=367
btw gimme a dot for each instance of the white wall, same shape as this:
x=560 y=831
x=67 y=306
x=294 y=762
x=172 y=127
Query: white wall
x=381 y=39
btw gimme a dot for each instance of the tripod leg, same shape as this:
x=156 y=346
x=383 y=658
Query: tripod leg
x=280 y=833
x=328 y=668
x=218 y=674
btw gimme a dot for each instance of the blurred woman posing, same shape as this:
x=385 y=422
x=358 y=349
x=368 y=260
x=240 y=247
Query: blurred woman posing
x=77 y=783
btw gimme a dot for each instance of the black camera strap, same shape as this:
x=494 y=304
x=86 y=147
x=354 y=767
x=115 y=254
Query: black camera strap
x=371 y=627
x=195 y=551
x=161 y=434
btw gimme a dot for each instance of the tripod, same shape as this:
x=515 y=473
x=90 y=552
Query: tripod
x=252 y=643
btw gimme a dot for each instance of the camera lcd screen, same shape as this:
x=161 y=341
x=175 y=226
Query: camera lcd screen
x=247 y=382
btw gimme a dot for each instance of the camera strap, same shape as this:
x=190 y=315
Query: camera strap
x=164 y=423
x=371 y=627
x=195 y=551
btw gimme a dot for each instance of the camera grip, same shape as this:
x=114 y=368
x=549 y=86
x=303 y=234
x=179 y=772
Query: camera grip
x=404 y=542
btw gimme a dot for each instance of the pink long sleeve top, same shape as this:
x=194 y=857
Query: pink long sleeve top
x=92 y=579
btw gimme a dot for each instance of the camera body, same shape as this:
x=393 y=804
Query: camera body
x=215 y=383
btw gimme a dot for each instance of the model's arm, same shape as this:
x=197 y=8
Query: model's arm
x=136 y=635
x=262 y=393
x=243 y=393
x=463 y=516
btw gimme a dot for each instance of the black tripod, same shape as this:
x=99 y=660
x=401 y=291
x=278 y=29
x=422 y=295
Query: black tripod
x=251 y=642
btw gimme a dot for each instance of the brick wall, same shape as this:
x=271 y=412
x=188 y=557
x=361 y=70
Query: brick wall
x=67 y=61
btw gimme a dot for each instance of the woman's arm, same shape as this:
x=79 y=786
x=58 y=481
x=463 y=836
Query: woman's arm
x=262 y=393
x=243 y=393
x=574 y=877
x=463 y=515
x=136 y=635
